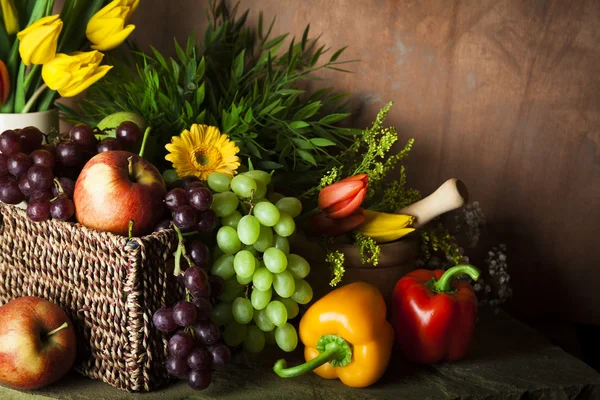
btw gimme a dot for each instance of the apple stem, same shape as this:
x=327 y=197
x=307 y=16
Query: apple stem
x=60 y=328
x=130 y=167
x=130 y=231
x=146 y=134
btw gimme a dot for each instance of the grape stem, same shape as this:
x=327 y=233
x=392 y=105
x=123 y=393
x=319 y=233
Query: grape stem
x=180 y=251
x=146 y=134
x=59 y=187
x=251 y=202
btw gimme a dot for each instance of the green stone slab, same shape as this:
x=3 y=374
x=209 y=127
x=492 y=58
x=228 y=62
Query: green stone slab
x=508 y=360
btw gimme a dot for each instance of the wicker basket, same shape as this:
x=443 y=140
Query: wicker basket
x=109 y=286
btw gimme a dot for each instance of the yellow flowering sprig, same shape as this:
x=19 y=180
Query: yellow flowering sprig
x=368 y=248
x=437 y=238
x=336 y=263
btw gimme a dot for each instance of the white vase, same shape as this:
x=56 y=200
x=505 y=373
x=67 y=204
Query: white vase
x=45 y=121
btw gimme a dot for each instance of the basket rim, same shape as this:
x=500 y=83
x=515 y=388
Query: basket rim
x=21 y=213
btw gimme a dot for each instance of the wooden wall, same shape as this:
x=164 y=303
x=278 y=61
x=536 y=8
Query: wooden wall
x=502 y=94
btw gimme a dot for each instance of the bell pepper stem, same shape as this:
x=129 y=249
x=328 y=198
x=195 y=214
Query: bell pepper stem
x=442 y=285
x=333 y=349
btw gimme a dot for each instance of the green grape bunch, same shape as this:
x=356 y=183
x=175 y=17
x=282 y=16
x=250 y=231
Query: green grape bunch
x=264 y=282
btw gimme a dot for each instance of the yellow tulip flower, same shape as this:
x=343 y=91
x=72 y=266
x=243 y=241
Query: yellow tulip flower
x=106 y=29
x=9 y=12
x=72 y=74
x=39 y=40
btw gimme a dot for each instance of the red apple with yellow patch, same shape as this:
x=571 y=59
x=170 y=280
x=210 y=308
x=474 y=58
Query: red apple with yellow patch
x=37 y=343
x=116 y=187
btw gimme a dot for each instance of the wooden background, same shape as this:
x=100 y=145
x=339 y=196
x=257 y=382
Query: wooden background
x=502 y=94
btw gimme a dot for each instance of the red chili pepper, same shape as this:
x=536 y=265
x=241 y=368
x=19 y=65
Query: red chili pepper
x=433 y=315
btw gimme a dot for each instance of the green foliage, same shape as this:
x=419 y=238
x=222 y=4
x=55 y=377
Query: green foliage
x=241 y=81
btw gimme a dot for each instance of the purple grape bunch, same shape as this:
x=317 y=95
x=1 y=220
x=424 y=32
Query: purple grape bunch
x=44 y=175
x=195 y=347
x=189 y=202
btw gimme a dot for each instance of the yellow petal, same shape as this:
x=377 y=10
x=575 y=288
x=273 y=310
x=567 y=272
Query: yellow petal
x=75 y=89
x=38 y=42
x=11 y=20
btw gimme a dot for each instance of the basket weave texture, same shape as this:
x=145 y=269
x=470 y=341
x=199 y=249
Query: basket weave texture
x=109 y=286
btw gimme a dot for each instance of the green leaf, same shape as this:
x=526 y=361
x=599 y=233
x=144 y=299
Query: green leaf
x=266 y=164
x=201 y=68
x=159 y=58
x=248 y=117
x=270 y=107
x=305 y=37
x=307 y=111
x=333 y=118
x=298 y=125
x=320 y=142
x=238 y=66
x=316 y=56
x=260 y=26
x=189 y=110
x=306 y=156
x=200 y=95
x=274 y=42
x=287 y=92
x=337 y=54
x=180 y=54
x=303 y=144
x=253 y=149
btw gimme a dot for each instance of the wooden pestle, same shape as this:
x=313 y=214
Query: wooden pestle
x=451 y=195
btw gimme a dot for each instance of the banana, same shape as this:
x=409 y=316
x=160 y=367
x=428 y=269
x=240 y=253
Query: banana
x=385 y=227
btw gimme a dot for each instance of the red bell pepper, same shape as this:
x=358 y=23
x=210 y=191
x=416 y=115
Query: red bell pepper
x=434 y=315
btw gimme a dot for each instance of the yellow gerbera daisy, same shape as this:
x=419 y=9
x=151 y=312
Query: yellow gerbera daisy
x=201 y=151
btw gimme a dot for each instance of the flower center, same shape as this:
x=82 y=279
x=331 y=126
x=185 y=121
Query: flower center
x=202 y=159
x=205 y=157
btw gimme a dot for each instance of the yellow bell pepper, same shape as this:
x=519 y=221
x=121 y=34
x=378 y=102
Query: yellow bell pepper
x=39 y=40
x=346 y=336
x=72 y=74
x=106 y=29
x=9 y=12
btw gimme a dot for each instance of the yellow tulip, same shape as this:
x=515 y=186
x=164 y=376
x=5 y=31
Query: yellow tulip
x=72 y=74
x=106 y=29
x=39 y=40
x=9 y=12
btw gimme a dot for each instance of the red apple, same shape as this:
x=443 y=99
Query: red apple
x=37 y=343
x=116 y=187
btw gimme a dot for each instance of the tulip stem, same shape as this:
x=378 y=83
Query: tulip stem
x=60 y=328
x=146 y=134
x=33 y=98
